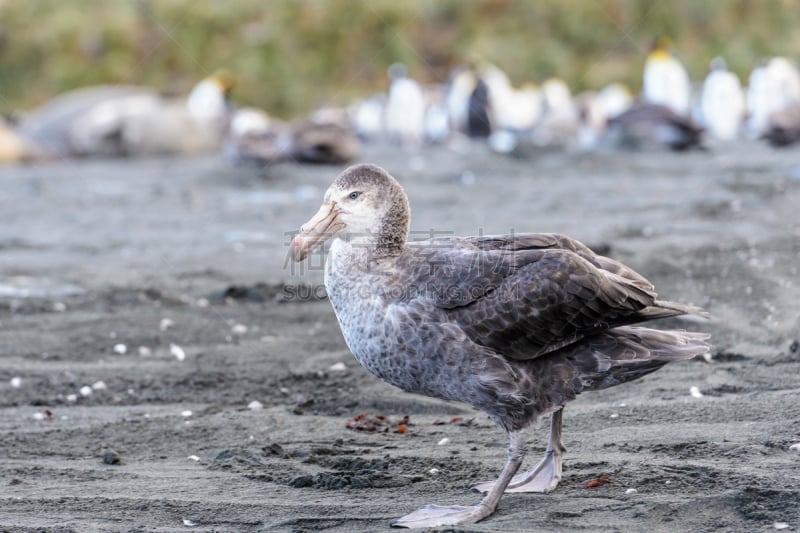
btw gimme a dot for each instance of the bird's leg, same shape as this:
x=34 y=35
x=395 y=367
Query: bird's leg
x=545 y=476
x=438 y=515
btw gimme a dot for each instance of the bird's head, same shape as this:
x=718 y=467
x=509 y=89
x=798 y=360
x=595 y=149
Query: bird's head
x=365 y=206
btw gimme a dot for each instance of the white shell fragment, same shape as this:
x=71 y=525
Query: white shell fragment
x=165 y=324
x=190 y=523
x=120 y=349
x=187 y=412
x=86 y=390
x=255 y=405
x=443 y=442
x=338 y=367
x=16 y=382
x=780 y=525
x=239 y=329
x=695 y=392
x=614 y=415
x=193 y=458
x=631 y=491
x=177 y=351
x=795 y=447
x=38 y=416
x=72 y=398
x=99 y=385
x=433 y=471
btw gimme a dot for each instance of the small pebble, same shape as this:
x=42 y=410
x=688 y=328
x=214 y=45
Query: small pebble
x=59 y=307
x=120 y=349
x=189 y=523
x=72 y=398
x=202 y=302
x=39 y=416
x=631 y=491
x=144 y=351
x=16 y=382
x=177 y=351
x=99 y=385
x=193 y=458
x=780 y=525
x=186 y=413
x=433 y=471
x=86 y=390
x=338 y=367
x=239 y=329
x=614 y=415
x=795 y=447
x=111 y=457
x=695 y=392
x=165 y=324
x=255 y=405
x=443 y=442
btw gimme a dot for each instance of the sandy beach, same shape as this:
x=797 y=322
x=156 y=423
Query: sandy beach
x=164 y=367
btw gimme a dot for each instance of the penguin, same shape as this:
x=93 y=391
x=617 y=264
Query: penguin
x=722 y=102
x=666 y=81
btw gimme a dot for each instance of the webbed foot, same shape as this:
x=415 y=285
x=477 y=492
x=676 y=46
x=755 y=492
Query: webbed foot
x=442 y=515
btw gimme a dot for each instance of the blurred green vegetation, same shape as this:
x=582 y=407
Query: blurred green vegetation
x=290 y=55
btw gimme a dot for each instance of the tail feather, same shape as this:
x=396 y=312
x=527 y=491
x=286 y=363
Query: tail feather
x=627 y=353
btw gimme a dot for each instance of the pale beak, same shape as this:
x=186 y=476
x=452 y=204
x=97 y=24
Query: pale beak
x=316 y=231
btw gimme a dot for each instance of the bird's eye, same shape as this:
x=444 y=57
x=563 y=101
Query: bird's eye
x=354 y=195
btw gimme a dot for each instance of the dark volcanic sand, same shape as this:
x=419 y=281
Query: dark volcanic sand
x=109 y=249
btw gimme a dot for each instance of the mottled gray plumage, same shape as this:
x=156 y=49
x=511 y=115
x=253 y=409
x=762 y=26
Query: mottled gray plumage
x=514 y=325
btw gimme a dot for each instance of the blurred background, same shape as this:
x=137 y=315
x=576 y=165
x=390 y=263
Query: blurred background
x=290 y=57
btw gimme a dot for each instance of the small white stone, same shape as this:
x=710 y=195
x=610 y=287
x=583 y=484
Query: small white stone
x=433 y=471
x=165 y=324
x=59 y=307
x=144 y=351
x=64 y=417
x=623 y=404
x=177 y=351
x=193 y=458
x=38 y=416
x=86 y=390
x=443 y=442
x=695 y=392
x=255 y=405
x=201 y=302
x=631 y=491
x=708 y=357
x=99 y=385
x=284 y=390
x=187 y=412
x=338 y=367
x=190 y=523
x=614 y=415
x=780 y=525
x=120 y=349
x=16 y=382
x=72 y=398
x=795 y=447
x=239 y=329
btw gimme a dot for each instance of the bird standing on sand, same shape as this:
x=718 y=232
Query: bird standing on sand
x=514 y=325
